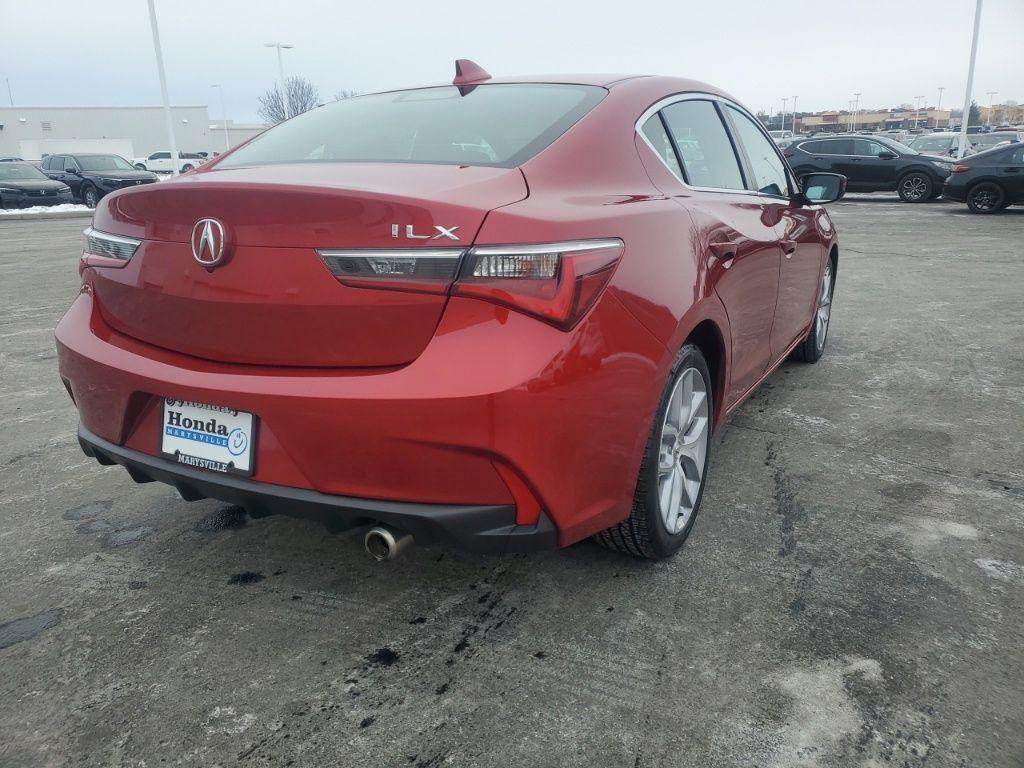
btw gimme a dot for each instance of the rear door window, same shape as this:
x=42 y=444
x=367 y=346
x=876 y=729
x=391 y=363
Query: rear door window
x=766 y=167
x=502 y=125
x=706 y=151
x=836 y=147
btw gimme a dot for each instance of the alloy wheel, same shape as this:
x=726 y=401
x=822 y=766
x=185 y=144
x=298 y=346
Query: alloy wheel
x=684 y=448
x=91 y=198
x=914 y=188
x=824 y=311
x=984 y=199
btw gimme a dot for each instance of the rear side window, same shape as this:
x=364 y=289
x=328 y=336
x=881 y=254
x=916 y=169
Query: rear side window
x=765 y=164
x=835 y=147
x=655 y=132
x=706 y=151
x=501 y=125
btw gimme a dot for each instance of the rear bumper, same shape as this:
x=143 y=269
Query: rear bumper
x=500 y=411
x=956 y=193
x=486 y=528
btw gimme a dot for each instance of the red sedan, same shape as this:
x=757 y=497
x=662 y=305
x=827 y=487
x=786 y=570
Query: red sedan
x=501 y=314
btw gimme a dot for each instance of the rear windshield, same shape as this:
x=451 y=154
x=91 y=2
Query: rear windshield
x=501 y=125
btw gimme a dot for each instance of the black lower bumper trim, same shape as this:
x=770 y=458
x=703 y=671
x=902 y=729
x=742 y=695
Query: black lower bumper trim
x=485 y=528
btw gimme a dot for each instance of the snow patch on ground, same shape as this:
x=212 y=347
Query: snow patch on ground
x=227 y=720
x=62 y=208
x=1003 y=571
x=823 y=711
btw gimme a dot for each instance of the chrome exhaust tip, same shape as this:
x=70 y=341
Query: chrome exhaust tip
x=383 y=542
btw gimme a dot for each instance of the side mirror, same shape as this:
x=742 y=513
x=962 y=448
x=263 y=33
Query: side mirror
x=820 y=188
x=887 y=156
x=73 y=171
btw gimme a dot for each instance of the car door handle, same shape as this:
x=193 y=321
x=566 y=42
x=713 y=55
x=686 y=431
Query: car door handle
x=788 y=247
x=725 y=250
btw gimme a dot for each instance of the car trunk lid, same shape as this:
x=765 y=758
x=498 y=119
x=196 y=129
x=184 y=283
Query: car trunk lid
x=271 y=300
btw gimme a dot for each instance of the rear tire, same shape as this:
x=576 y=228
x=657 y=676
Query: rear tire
x=915 y=187
x=986 y=197
x=141 y=167
x=813 y=346
x=186 y=168
x=673 y=472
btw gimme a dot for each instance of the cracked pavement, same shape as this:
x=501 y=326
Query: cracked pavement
x=852 y=594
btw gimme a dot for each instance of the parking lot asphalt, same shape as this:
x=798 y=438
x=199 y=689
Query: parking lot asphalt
x=852 y=594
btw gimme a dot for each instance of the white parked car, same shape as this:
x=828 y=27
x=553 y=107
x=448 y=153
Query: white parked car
x=160 y=162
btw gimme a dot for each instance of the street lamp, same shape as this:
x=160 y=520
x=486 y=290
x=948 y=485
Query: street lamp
x=280 y=71
x=793 y=126
x=856 y=104
x=223 y=116
x=965 y=115
x=988 y=121
x=938 y=108
x=175 y=157
x=917 y=111
x=785 y=101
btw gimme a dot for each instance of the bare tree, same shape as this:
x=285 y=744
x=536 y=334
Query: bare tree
x=302 y=97
x=345 y=93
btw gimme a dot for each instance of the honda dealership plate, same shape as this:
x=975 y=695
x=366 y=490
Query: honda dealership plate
x=208 y=436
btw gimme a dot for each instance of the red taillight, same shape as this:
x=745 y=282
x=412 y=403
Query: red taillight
x=423 y=270
x=960 y=168
x=105 y=250
x=556 y=282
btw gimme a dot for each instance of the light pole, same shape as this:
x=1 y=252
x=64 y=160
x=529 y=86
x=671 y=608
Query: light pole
x=175 y=159
x=965 y=117
x=223 y=116
x=785 y=101
x=794 y=116
x=10 y=94
x=856 y=104
x=917 y=111
x=988 y=121
x=280 y=71
x=938 y=108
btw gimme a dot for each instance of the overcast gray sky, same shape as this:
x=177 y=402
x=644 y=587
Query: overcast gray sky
x=99 y=52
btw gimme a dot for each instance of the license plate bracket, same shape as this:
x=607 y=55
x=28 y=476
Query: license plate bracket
x=208 y=437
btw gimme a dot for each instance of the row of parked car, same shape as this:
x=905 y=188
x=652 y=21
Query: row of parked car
x=83 y=177
x=987 y=181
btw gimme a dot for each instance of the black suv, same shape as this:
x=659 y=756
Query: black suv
x=92 y=176
x=873 y=164
x=988 y=181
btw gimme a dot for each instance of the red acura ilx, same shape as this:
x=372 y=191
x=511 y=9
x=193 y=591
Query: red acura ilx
x=504 y=314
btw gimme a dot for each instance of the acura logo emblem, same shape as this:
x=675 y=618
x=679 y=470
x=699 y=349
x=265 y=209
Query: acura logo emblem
x=208 y=242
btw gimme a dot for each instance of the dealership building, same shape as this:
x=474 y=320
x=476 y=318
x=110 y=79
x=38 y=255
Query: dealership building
x=31 y=132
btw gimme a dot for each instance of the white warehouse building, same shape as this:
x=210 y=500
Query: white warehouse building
x=31 y=132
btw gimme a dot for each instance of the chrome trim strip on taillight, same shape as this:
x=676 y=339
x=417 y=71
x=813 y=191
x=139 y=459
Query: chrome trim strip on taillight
x=394 y=253
x=569 y=246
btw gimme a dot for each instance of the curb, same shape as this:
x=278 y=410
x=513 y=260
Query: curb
x=53 y=215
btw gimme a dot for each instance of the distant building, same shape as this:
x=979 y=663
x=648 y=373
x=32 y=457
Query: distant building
x=875 y=120
x=31 y=132
x=1003 y=114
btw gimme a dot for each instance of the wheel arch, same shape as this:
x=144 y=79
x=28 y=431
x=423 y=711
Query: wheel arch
x=707 y=336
